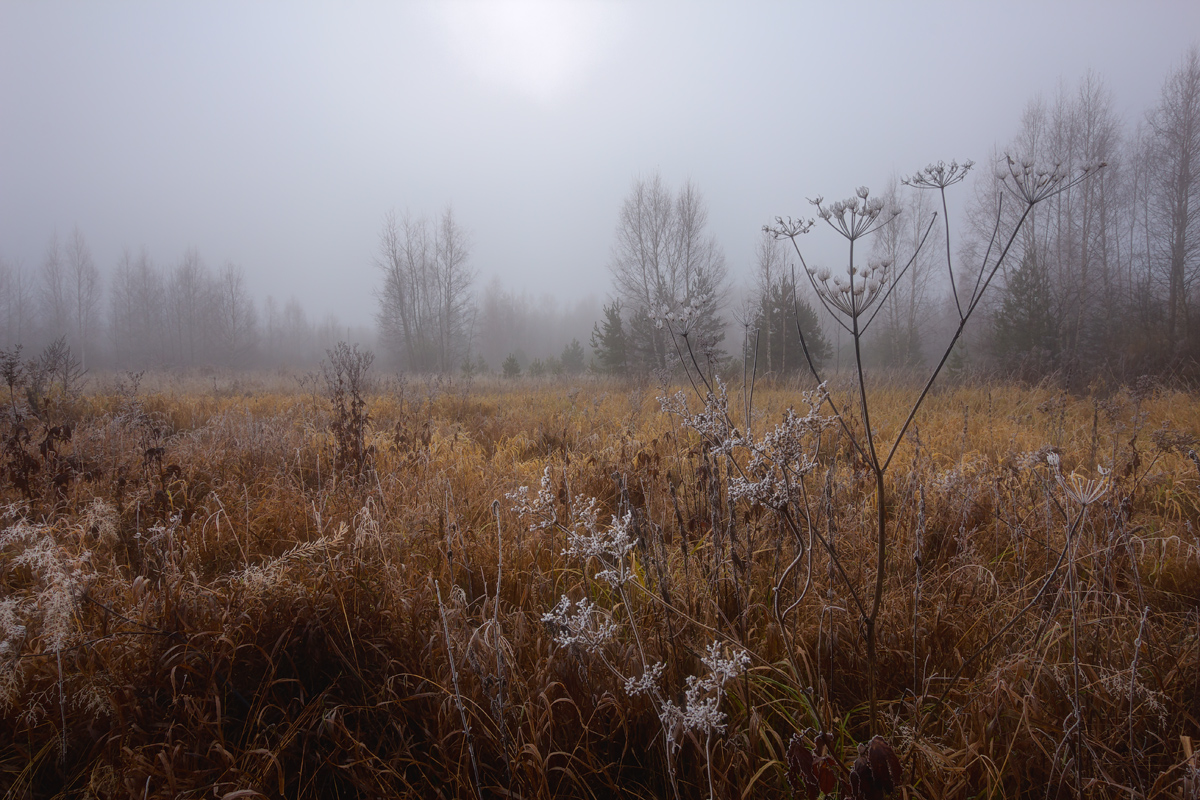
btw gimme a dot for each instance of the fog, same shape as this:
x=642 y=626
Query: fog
x=277 y=136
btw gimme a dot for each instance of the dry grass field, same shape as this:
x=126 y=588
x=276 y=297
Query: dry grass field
x=214 y=589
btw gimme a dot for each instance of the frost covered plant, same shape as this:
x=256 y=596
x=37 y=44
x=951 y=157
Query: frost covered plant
x=1033 y=183
x=701 y=712
x=538 y=507
x=783 y=456
x=1082 y=490
x=582 y=624
x=609 y=544
x=854 y=291
x=685 y=317
x=712 y=421
x=702 y=699
x=648 y=683
x=850 y=298
x=588 y=538
x=585 y=627
x=58 y=580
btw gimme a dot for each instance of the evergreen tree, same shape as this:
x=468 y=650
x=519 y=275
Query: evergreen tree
x=779 y=348
x=1025 y=328
x=609 y=342
x=511 y=366
x=572 y=358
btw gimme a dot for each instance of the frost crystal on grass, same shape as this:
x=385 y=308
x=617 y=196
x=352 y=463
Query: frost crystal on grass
x=59 y=576
x=11 y=628
x=712 y=422
x=724 y=669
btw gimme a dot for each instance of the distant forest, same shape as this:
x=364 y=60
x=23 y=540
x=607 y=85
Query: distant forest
x=1104 y=280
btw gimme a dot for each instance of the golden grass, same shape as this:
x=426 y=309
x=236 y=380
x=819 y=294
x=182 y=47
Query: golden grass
x=236 y=616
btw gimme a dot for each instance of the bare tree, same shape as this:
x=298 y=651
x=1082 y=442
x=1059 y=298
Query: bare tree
x=84 y=293
x=770 y=263
x=425 y=304
x=1173 y=160
x=235 y=319
x=298 y=347
x=663 y=261
x=137 y=319
x=17 y=313
x=903 y=313
x=52 y=292
x=1071 y=242
x=455 y=304
x=189 y=299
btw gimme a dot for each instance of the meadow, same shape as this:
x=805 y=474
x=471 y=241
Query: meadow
x=261 y=586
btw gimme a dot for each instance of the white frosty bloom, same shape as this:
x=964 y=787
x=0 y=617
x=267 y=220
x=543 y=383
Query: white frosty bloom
x=649 y=681
x=701 y=710
x=540 y=507
x=722 y=668
x=588 y=627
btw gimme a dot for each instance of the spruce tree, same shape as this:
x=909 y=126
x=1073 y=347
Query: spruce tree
x=1025 y=328
x=609 y=342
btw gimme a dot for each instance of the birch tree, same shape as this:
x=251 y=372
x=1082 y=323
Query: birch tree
x=426 y=309
x=663 y=262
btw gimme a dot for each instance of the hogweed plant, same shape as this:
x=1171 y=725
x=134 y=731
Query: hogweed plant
x=853 y=299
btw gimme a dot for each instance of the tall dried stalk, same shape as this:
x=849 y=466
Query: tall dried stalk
x=855 y=298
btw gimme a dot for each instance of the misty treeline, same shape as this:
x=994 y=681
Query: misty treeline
x=1102 y=279
x=432 y=318
x=145 y=315
x=1105 y=277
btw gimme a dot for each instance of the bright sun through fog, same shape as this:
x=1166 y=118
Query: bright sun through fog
x=537 y=49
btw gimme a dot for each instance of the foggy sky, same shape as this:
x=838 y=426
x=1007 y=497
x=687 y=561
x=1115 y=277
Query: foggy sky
x=277 y=135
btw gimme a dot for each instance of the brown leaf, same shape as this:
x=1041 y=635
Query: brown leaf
x=885 y=766
x=800 y=768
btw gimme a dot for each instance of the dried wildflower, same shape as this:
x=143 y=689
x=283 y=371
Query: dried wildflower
x=60 y=575
x=609 y=544
x=858 y=290
x=856 y=216
x=648 y=683
x=586 y=627
x=1034 y=184
x=12 y=630
x=540 y=507
x=702 y=698
x=1084 y=491
x=939 y=175
x=712 y=422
